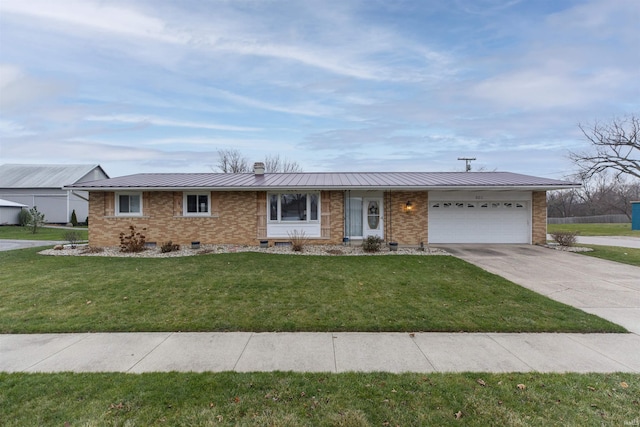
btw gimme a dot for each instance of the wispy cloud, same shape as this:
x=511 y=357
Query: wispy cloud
x=159 y=121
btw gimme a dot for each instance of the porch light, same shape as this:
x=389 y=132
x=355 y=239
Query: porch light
x=408 y=207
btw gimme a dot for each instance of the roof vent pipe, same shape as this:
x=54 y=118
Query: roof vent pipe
x=258 y=168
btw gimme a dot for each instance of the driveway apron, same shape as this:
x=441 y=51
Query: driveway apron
x=605 y=288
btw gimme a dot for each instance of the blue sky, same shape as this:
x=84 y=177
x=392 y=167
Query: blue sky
x=362 y=85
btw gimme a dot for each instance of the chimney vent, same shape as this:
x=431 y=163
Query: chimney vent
x=258 y=168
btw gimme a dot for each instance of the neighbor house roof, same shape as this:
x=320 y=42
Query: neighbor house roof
x=43 y=176
x=326 y=181
x=9 y=204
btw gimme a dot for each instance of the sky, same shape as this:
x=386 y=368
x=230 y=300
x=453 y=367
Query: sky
x=348 y=85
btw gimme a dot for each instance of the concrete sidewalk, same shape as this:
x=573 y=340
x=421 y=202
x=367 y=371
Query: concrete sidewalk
x=9 y=244
x=320 y=352
x=621 y=241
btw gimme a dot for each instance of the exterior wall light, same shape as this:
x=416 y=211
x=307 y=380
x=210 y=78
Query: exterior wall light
x=408 y=207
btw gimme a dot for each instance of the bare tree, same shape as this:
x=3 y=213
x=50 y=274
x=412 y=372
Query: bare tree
x=274 y=163
x=614 y=145
x=232 y=161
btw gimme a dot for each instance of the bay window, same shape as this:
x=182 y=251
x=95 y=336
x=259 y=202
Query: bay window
x=293 y=207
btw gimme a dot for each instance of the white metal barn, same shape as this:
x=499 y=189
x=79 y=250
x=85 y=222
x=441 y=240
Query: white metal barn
x=42 y=186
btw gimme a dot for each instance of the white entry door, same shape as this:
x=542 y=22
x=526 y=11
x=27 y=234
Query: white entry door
x=372 y=217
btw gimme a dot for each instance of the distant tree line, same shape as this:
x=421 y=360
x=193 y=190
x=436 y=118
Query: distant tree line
x=601 y=194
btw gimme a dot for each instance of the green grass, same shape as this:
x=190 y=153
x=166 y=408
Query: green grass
x=296 y=399
x=43 y=233
x=629 y=256
x=263 y=292
x=595 y=229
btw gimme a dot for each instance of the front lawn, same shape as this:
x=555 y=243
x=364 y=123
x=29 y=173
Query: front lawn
x=14 y=232
x=595 y=229
x=263 y=292
x=296 y=399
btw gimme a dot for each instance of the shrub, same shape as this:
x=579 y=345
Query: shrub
x=372 y=244
x=134 y=242
x=298 y=240
x=565 y=238
x=72 y=237
x=74 y=218
x=169 y=247
x=36 y=219
x=92 y=250
x=24 y=217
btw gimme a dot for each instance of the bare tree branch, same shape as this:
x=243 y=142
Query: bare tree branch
x=614 y=146
x=232 y=161
x=274 y=163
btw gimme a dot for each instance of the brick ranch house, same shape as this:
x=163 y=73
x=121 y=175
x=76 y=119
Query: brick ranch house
x=406 y=207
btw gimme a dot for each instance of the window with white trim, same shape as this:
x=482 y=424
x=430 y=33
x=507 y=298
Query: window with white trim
x=128 y=204
x=294 y=207
x=196 y=204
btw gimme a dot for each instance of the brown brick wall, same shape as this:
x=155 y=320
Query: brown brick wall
x=232 y=220
x=539 y=214
x=240 y=218
x=236 y=218
x=404 y=227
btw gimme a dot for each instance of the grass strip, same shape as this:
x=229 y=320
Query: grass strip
x=43 y=233
x=302 y=399
x=265 y=292
x=629 y=256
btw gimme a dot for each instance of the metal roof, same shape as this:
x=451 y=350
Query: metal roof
x=43 y=176
x=9 y=204
x=325 y=181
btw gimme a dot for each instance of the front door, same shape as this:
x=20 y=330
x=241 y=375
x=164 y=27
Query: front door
x=373 y=217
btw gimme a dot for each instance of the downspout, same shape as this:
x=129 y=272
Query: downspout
x=68 y=207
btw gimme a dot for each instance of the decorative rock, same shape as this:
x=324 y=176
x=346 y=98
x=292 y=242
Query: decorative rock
x=58 y=247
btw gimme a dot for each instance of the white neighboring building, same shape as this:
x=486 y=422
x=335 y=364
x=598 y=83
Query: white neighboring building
x=9 y=212
x=42 y=186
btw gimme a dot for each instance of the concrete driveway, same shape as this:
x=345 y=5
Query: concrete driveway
x=607 y=289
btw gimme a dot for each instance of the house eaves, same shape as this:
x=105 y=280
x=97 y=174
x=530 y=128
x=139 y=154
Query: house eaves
x=388 y=181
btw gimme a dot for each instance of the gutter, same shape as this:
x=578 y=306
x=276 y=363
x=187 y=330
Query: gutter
x=339 y=188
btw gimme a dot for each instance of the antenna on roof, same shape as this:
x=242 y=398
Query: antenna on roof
x=468 y=162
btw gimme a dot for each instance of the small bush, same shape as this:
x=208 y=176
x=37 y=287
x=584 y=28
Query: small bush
x=72 y=237
x=24 y=217
x=36 y=219
x=372 y=244
x=298 y=240
x=169 y=247
x=74 y=218
x=565 y=238
x=134 y=242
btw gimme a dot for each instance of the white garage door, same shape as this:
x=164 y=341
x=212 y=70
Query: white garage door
x=479 y=222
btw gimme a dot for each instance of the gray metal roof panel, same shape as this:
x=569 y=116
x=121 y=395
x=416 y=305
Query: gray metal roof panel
x=42 y=176
x=324 y=180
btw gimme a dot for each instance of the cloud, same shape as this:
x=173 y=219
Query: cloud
x=159 y=121
x=20 y=90
x=82 y=15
